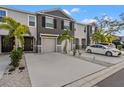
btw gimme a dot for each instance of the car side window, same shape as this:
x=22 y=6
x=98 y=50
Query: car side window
x=97 y=46
x=93 y=46
x=102 y=47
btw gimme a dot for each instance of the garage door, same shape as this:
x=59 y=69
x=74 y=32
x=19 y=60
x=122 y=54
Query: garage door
x=49 y=45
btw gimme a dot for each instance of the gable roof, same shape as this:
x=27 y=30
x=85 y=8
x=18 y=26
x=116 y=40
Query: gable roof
x=56 y=9
x=17 y=10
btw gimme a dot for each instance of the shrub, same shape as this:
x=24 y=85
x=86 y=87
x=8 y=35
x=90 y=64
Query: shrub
x=119 y=47
x=16 y=56
x=77 y=47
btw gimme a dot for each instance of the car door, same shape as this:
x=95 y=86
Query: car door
x=96 y=49
x=100 y=49
x=93 y=47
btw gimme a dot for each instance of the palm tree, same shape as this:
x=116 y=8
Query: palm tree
x=16 y=30
x=65 y=37
x=98 y=36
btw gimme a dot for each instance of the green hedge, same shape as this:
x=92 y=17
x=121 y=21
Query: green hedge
x=119 y=47
x=16 y=56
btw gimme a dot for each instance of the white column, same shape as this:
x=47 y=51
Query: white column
x=0 y=45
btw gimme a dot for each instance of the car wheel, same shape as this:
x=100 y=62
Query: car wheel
x=89 y=51
x=108 y=53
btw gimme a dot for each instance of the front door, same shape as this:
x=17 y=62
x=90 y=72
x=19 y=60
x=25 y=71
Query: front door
x=7 y=45
x=28 y=43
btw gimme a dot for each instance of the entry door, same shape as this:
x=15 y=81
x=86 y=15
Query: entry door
x=28 y=43
x=49 y=45
x=7 y=46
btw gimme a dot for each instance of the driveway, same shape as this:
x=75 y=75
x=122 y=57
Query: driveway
x=4 y=61
x=55 y=69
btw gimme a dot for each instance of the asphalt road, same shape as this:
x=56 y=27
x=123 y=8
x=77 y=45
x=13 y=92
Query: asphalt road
x=115 y=80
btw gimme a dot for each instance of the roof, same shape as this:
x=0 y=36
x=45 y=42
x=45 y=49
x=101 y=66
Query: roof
x=55 y=9
x=17 y=10
x=80 y=23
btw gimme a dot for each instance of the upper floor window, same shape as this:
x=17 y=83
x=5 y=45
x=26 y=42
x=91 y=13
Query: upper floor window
x=49 y=22
x=66 y=24
x=2 y=14
x=32 y=21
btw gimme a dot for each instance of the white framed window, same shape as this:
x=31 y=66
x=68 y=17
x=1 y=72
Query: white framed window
x=66 y=24
x=49 y=23
x=3 y=13
x=32 y=20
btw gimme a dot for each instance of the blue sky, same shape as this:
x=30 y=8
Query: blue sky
x=81 y=13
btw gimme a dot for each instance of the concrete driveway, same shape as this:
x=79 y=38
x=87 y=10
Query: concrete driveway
x=4 y=61
x=55 y=70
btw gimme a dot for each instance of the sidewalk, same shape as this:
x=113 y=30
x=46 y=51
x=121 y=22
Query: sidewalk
x=4 y=61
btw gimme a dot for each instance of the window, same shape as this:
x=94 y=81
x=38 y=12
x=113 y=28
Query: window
x=49 y=22
x=66 y=24
x=2 y=14
x=102 y=47
x=32 y=21
x=93 y=45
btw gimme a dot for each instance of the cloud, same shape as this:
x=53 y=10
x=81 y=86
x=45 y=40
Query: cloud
x=75 y=10
x=66 y=11
x=88 y=21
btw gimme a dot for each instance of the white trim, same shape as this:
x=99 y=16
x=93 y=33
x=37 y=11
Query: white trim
x=46 y=22
x=35 y=21
x=65 y=22
x=5 y=11
x=49 y=35
x=49 y=27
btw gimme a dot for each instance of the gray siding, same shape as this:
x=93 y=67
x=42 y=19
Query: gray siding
x=22 y=18
x=43 y=30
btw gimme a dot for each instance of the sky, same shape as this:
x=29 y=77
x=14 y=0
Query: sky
x=81 y=13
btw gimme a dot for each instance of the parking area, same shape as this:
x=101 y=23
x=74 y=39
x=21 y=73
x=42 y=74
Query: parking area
x=55 y=69
x=102 y=58
x=4 y=61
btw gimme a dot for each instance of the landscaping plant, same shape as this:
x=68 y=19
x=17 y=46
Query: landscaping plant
x=16 y=31
x=119 y=47
x=65 y=37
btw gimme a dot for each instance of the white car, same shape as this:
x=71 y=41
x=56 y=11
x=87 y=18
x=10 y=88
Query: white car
x=102 y=49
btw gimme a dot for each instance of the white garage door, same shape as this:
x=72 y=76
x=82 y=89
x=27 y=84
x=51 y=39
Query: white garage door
x=49 y=45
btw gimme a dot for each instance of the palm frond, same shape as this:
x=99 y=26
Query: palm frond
x=5 y=26
x=10 y=21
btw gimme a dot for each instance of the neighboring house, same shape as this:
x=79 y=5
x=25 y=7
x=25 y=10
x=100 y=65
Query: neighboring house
x=50 y=24
x=90 y=29
x=80 y=35
x=83 y=34
x=24 y=17
x=122 y=38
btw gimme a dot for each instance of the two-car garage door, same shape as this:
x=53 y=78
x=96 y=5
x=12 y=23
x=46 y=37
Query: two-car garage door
x=48 y=45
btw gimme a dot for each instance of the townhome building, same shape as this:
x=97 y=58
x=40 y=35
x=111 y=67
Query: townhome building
x=83 y=34
x=45 y=27
x=50 y=24
x=24 y=17
x=80 y=34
